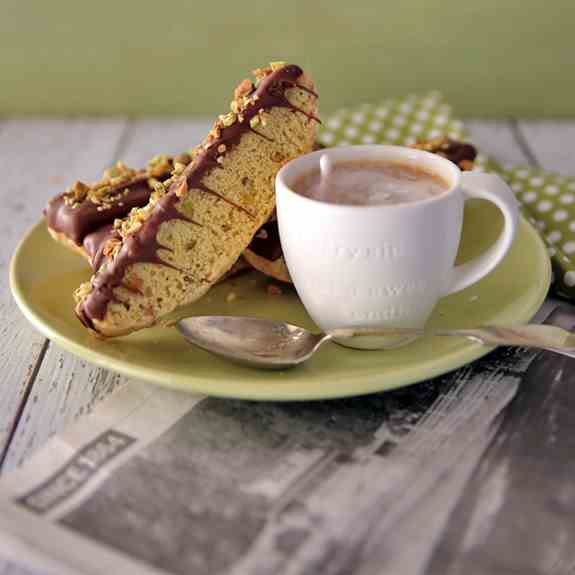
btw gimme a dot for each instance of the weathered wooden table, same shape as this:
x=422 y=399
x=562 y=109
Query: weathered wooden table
x=42 y=388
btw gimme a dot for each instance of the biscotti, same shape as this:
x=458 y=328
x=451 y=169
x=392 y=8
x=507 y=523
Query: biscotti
x=196 y=224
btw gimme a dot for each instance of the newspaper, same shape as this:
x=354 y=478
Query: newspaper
x=159 y=482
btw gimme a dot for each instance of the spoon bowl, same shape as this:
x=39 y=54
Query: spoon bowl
x=254 y=341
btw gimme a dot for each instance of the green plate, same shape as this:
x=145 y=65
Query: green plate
x=44 y=275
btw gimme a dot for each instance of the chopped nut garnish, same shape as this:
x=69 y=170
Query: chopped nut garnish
x=119 y=170
x=111 y=247
x=84 y=290
x=277 y=65
x=215 y=132
x=118 y=180
x=100 y=190
x=261 y=73
x=131 y=227
x=159 y=165
x=104 y=192
x=76 y=193
x=178 y=168
x=156 y=185
x=182 y=188
x=228 y=119
x=244 y=88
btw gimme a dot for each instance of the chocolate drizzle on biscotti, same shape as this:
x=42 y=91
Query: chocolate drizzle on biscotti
x=142 y=246
x=95 y=243
x=77 y=221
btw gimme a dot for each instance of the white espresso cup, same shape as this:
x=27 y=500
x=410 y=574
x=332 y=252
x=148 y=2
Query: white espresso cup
x=384 y=265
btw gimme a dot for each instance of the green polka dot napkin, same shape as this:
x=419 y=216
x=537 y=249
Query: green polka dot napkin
x=547 y=199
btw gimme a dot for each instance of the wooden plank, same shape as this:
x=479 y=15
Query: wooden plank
x=496 y=138
x=37 y=158
x=66 y=387
x=552 y=143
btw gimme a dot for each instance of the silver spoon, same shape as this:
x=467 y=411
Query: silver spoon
x=270 y=344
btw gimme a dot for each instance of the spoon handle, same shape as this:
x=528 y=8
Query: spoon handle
x=537 y=336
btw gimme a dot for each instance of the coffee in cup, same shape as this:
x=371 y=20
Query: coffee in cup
x=370 y=183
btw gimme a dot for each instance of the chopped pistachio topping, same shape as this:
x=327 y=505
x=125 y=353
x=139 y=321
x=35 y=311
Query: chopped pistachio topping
x=277 y=65
x=112 y=247
x=228 y=119
x=156 y=185
x=244 y=88
x=104 y=192
x=182 y=188
x=159 y=165
x=76 y=194
x=84 y=290
x=178 y=168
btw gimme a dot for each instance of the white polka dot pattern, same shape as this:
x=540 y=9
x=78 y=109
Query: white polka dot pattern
x=560 y=215
x=400 y=121
x=552 y=199
x=554 y=236
x=544 y=206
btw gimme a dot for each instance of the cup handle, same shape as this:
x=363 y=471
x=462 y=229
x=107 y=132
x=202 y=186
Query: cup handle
x=492 y=188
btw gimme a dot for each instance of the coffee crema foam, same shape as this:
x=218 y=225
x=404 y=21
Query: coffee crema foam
x=370 y=183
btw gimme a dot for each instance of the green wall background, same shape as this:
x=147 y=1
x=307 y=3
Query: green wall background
x=491 y=58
